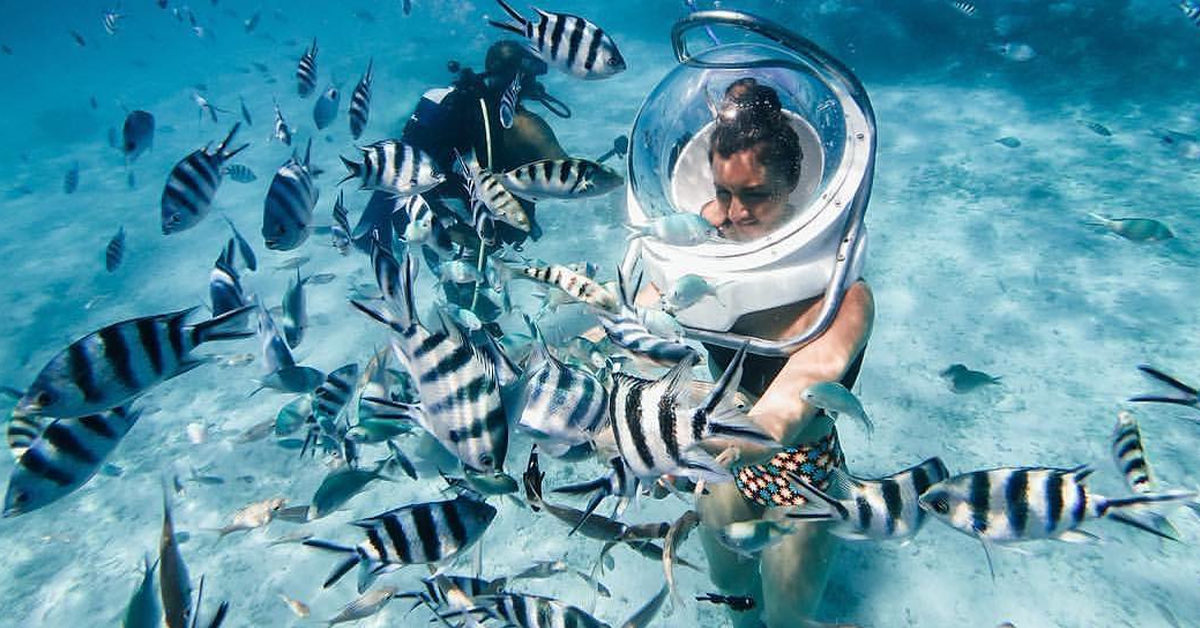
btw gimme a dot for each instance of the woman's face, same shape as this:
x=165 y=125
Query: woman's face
x=751 y=201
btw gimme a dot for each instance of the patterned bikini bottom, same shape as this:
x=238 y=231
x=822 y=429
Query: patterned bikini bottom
x=766 y=485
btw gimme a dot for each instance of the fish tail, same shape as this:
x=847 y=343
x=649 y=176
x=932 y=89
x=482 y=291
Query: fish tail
x=583 y=488
x=521 y=22
x=1097 y=219
x=343 y=567
x=353 y=168
x=1142 y=523
x=229 y=138
x=231 y=154
x=1188 y=396
x=231 y=325
x=813 y=494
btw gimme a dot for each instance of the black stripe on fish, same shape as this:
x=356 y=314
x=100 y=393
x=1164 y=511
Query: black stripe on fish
x=1016 y=497
x=454 y=524
x=1054 y=497
x=978 y=498
x=574 y=43
x=98 y=426
x=148 y=338
x=118 y=355
x=399 y=538
x=37 y=463
x=377 y=543
x=864 y=512
x=593 y=50
x=427 y=533
x=82 y=374
x=1079 y=509
x=60 y=437
x=894 y=502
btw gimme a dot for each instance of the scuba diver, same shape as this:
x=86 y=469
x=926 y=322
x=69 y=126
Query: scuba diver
x=468 y=118
x=781 y=164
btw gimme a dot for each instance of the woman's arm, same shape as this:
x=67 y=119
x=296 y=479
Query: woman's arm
x=780 y=410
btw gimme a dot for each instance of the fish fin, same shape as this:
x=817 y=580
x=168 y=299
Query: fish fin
x=354 y=170
x=987 y=553
x=813 y=495
x=225 y=142
x=1144 y=499
x=698 y=465
x=1140 y=522
x=842 y=483
x=231 y=325
x=1189 y=394
x=679 y=377
x=1078 y=536
x=725 y=388
x=1097 y=219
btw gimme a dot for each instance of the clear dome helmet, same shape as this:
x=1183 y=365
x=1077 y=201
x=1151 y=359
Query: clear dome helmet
x=817 y=251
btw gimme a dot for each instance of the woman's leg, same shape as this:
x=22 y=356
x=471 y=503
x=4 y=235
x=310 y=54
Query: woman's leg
x=732 y=573
x=794 y=573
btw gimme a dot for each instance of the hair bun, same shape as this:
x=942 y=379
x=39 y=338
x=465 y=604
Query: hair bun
x=749 y=103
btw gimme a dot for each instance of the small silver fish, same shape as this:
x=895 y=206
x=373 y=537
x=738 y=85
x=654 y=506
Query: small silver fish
x=366 y=605
x=678 y=229
x=253 y=516
x=298 y=608
x=1009 y=141
x=1135 y=229
x=834 y=397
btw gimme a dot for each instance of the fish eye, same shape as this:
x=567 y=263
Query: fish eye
x=20 y=497
x=614 y=62
x=44 y=398
x=940 y=505
x=486 y=460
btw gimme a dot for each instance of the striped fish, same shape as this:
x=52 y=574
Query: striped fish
x=658 y=433
x=295 y=311
x=1129 y=455
x=360 y=102
x=561 y=178
x=575 y=284
x=560 y=406
x=326 y=107
x=1191 y=10
x=66 y=455
x=175 y=585
x=627 y=331
x=110 y=367
x=340 y=232
x=332 y=397
x=243 y=247
x=455 y=381
x=416 y=534
x=509 y=101
x=966 y=8
x=193 y=183
x=288 y=208
x=306 y=71
x=282 y=131
x=110 y=21
x=115 y=251
x=567 y=42
x=883 y=509
x=1014 y=504
x=488 y=195
x=224 y=285
x=240 y=173
x=393 y=166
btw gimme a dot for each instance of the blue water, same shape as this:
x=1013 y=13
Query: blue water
x=980 y=254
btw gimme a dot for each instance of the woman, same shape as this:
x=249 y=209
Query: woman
x=756 y=163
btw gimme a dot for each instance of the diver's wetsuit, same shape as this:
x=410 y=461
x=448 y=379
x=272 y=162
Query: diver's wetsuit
x=765 y=484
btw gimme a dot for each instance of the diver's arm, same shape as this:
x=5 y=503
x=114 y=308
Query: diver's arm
x=780 y=410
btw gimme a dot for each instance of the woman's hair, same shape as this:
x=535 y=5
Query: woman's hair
x=750 y=117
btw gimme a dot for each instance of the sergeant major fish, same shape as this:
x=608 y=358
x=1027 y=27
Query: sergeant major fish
x=1015 y=504
x=240 y=173
x=657 y=431
x=489 y=195
x=192 y=184
x=64 y=457
x=559 y=405
x=340 y=232
x=395 y=167
x=567 y=42
x=883 y=509
x=114 y=252
x=410 y=535
x=111 y=366
x=282 y=131
x=295 y=311
x=509 y=101
x=288 y=208
x=561 y=178
x=306 y=71
x=456 y=383
x=224 y=285
x=360 y=102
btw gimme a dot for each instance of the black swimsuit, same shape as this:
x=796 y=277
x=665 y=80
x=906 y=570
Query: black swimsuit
x=766 y=484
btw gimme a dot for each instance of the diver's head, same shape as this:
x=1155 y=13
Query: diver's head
x=755 y=158
x=506 y=58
